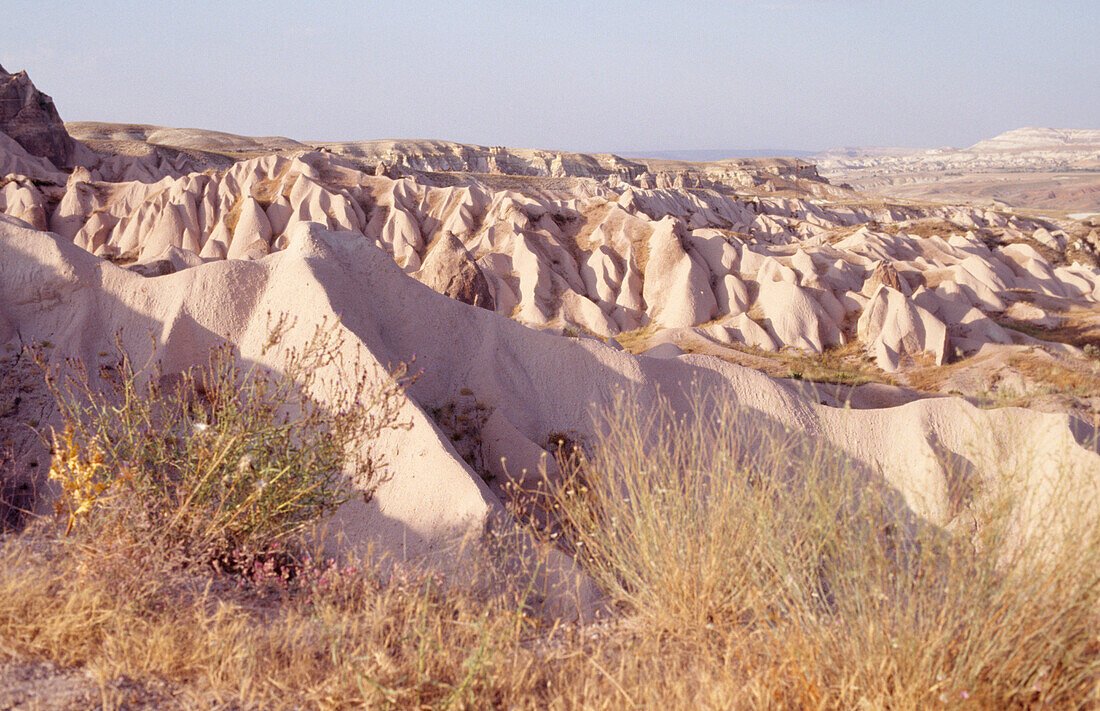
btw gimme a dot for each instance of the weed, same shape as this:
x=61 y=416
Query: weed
x=804 y=584
x=1061 y=376
x=218 y=460
x=16 y=491
x=462 y=420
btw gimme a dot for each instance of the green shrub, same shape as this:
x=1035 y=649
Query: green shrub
x=224 y=460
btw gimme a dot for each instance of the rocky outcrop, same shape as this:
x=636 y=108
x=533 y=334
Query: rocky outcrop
x=29 y=117
x=764 y=272
x=893 y=327
x=677 y=284
x=158 y=148
x=1033 y=138
x=1023 y=148
x=449 y=270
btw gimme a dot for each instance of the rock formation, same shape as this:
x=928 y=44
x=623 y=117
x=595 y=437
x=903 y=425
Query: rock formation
x=28 y=116
x=581 y=255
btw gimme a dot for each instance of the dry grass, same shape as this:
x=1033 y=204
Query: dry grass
x=846 y=365
x=1078 y=327
x=637 y=340
x=233 y=216
x=744 y=567
x=1079 y=379
x=924 y=227
x=797 y=584
x=267 y=191
x=929 y=377
x=339 y=639
x=842 y=365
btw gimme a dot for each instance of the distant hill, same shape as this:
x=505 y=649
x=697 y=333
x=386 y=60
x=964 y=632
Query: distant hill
x=1032 y=138
x=1042 y=168
x=704 y=156
x=865 y=151
x=182 y=138
x=1028 y=139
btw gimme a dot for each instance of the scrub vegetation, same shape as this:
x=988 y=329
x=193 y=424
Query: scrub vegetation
x=740 y=567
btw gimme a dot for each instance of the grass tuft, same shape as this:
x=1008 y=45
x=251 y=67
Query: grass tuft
x=797 y=582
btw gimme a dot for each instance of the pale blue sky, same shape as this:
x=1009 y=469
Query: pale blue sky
x=616 y=76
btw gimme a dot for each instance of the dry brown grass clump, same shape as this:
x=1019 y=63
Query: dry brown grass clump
x=797 y=583
x=846 y=365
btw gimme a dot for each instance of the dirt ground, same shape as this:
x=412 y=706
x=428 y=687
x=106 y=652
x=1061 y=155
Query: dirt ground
x=29 y=686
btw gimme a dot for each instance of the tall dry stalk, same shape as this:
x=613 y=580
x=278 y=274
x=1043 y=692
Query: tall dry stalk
x=770 y=552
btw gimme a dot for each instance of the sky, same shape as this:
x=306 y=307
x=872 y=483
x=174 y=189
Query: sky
x=565 y=75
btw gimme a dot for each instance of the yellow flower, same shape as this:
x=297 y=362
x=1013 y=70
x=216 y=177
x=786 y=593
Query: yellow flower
x=81 y=476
